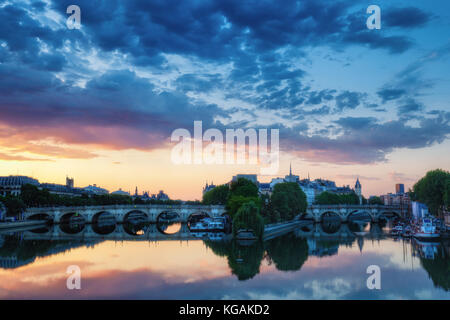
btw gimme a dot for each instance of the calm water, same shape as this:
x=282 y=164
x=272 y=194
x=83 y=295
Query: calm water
x=159 y=262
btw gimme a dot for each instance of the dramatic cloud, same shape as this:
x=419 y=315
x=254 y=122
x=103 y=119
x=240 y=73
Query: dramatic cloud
x=137 y=70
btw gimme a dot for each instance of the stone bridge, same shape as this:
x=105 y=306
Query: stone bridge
x=339 y=231
x=317 y=212
x=148 y=212
x=119 y=232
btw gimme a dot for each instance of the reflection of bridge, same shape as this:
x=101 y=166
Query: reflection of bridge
x=335 y=231
x=317 y=212
x=150 y=212
x=119 y=232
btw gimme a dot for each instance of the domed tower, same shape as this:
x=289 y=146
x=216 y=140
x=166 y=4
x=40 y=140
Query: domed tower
x=358 y=190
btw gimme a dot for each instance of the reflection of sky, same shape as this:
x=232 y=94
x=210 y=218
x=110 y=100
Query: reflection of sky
x=190 y=270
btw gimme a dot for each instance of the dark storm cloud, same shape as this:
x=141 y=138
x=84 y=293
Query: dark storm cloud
x=119 y=100
x=257 y=39
x=405 y=17
x=409 y=106
x=364 y=140
x=390 y=94
x=348 y=100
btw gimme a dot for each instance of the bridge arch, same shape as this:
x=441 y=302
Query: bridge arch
x=136 y=214
x=103 y=229
x=331 y=227
x=329 y=214
x=72 y=222
x=389 y=214
x=168 y=216
x=363 y=214
x=169 y=222
x=196 y=216
x=105 y=215
x=41 y=216
x=66 y=217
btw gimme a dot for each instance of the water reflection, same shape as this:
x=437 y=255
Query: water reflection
x=296 y=254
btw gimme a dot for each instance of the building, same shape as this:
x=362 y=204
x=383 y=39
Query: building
x=399 y=188
x=265 y=188
x=252 y=177
x=291 y=177
x=120 y=192
x=62 y=190
x=12 y=185
x=418 y=210
x=2 y=211
x=95 y=190
x=310 y=192
x=401 y=200
x=69 y=182
x=207 y=187
x=358 y=190
x=162 y=196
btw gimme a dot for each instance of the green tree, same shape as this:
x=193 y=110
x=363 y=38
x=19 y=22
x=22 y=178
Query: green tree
x=375 y=200
x=14 y=205
x=432 y=189
x=288 y=252
x=248 y=217
x=288 y=200
x=235 y=203
x=447 y=195
x=243 y=187
x=242 y=191
x=332 y=198
x=218 y=195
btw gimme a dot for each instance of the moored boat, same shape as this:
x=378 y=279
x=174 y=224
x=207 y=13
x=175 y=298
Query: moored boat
x=245 y=234
x=426 y=230
x=397 y=230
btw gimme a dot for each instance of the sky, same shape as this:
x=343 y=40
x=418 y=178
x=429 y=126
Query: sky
x=101 y=102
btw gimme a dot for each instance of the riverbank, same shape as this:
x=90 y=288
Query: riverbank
x=276 y=229
x=22 y=224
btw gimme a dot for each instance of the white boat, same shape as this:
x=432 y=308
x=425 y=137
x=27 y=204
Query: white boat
x=208 y=224
x=202 y=225
x=397 y=230
x=426 y=230
x=216 y=224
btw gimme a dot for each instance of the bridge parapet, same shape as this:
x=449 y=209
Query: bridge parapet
x=120 y=212
x=344 y=211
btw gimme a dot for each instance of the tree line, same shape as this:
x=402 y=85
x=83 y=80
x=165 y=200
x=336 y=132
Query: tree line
x=249 y=209
x=433 y=190
x=32 y=196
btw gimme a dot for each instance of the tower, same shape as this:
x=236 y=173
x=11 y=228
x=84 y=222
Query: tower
x=69 y=182
x=358 y=190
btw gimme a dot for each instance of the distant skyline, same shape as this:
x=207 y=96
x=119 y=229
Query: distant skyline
x=99 y=104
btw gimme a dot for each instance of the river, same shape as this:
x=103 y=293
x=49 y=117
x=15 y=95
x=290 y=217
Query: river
x=315 y=262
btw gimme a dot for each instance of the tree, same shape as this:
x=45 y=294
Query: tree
x=218 y=195
x=243 y=187
x=375 y=200
x=14 y=205
x=432 y=189
x=288 y=200
x=242 y=191
x=248 y=217
x=288 y=252
x=332 y=198
x=447 y=195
